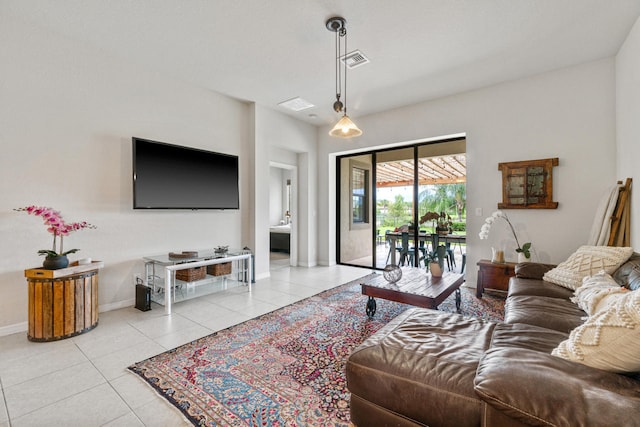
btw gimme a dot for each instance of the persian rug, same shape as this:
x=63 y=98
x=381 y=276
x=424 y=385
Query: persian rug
x=284 y=368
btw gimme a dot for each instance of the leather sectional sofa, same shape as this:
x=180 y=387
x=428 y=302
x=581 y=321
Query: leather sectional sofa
x=429 y=368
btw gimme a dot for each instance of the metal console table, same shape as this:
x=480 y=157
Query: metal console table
x=241 y=260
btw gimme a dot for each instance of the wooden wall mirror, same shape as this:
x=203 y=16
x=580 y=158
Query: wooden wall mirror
x=528 y=184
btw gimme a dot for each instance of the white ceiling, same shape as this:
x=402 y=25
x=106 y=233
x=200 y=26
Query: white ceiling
x=268 y=51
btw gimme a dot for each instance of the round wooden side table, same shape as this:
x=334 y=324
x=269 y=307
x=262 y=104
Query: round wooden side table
x=62 y=303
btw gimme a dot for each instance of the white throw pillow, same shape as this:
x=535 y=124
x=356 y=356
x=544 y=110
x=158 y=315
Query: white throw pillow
x=598 y=292
x=587 y=261
x=608 y=340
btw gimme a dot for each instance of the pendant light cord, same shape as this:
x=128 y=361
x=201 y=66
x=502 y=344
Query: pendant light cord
x=345 y=128
x=338 y=77
x=344 y=34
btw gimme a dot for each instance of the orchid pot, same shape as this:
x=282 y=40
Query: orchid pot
x=523 y=258
x=524 y=253
x=55 y=262
x=435 y=269
x=435 y=260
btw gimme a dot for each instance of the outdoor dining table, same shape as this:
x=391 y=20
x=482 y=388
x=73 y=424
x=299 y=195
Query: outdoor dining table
x=395 y=236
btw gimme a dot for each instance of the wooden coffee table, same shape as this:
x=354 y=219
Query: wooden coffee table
x=416 y=287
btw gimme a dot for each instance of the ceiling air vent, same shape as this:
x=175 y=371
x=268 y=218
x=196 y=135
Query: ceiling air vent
x=296 y=104
x=354 y=59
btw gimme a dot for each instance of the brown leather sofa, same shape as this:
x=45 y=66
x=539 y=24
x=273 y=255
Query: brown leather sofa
x=429 y=368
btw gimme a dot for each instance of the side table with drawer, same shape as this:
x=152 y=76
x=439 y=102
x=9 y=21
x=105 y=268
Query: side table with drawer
x=494 y=276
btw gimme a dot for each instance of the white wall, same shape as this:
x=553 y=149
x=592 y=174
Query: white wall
x=281 y=139
x=628 y=120
x=67 y=116
x=569 y=113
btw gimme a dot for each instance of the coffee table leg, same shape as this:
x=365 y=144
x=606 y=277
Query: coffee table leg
x=371 y=307
x=458 y=299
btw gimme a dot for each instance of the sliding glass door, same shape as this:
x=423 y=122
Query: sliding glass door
x=382 y=196
x=395 y=196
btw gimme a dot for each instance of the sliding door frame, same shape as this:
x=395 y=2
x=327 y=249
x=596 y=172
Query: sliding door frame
x=374 y=198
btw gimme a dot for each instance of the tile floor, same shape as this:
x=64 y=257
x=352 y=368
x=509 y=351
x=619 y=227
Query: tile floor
x=83 y=381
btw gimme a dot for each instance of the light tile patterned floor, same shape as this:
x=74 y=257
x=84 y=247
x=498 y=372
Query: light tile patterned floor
x=83 y=381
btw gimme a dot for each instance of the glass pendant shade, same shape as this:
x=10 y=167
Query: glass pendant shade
x=345 y=128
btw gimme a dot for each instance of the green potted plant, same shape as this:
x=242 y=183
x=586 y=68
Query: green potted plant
x=435 y=260
x=442 y=223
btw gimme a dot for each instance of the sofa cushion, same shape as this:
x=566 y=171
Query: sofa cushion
x=587 y=261
x=530 y=337
x=532 y=270
x=421 y=356
x=608 y=340
x=542 y=390
x=519 y=286
x=597 y=292
x=628 y=275
x=551 y=313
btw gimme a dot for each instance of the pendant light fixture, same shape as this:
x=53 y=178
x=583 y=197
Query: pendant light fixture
x=345 y=128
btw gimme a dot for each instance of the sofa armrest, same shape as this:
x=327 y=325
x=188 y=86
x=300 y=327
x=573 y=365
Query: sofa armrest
x=532 y=270
x=537 y=388
x=628 y=274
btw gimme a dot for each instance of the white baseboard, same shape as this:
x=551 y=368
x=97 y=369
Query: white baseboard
x=308 y=264
x=117 y=305
x=263 y=276
x=14 y=329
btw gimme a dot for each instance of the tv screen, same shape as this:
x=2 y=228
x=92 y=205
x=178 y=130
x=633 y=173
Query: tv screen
x=167 y=176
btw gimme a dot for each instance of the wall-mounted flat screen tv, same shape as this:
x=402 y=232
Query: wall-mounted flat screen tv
x=167 y=176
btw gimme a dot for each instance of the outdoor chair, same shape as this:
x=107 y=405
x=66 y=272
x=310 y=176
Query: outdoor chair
x=451 y=260
x=405 y=252
x=422 y=250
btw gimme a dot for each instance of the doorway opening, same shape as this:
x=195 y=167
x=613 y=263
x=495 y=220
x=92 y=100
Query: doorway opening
x=384 y=194
x=283 y=248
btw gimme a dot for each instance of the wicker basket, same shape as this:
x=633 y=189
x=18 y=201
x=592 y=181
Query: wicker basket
x=219 y=269
x=191 y=274
x=183 y=255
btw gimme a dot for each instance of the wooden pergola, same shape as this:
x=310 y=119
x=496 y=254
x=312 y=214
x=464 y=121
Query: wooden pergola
x=431 y=170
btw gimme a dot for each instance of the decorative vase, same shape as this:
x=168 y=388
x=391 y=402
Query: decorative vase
x=435 y=269
x=497 y=256
x=55 y=262
x=523 y=258
x=392 y=273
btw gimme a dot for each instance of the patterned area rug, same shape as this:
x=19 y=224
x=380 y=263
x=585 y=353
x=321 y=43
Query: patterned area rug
x=285 y=368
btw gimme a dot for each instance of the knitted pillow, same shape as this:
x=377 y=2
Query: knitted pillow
x=597 y=292
x=587 y=261
x=608 y=340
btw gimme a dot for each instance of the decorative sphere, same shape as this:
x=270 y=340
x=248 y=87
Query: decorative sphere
x=392 y=273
